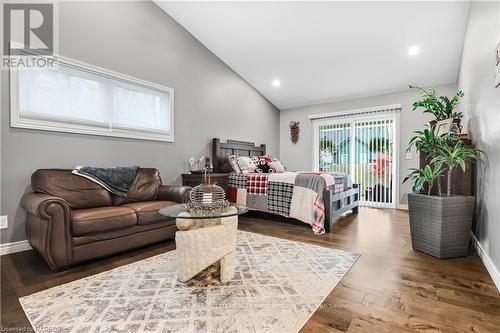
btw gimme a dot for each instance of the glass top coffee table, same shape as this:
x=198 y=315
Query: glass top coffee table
x=204 y=239
x=179 y=212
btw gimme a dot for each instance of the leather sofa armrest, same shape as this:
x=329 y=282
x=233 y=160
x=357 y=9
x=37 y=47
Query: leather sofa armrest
x=179 y=194
x=39 y=204
x=48 y=227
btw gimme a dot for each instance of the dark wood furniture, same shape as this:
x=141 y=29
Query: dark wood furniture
x=461 y=182
x=335 y=204
x=220 y=150
x=194 y=179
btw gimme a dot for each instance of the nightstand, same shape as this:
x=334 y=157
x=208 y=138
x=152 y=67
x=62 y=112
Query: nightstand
x=193 y=179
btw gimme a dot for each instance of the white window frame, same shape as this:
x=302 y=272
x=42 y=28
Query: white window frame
x=53 y=123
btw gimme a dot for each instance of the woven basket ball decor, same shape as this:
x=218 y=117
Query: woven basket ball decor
x=294 y=131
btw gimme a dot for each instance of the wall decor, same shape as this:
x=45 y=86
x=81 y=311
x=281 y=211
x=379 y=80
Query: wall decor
x=294 y=131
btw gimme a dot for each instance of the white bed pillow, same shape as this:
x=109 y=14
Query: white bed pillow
x=233 y=162
x=246 y=164
x=277 y=165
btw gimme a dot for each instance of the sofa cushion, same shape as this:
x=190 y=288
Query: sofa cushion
x=102 y=219
x=147 y=211
x=144 y=188
x=77 y=191
x=115 y=234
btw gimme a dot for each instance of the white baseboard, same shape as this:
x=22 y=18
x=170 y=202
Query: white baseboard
x=14 y=247
x=402 y=206
x=490 y=266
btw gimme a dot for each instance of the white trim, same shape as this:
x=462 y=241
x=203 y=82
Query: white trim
x=32 y=121
x=488 y=263
x=402 y=206
x=373 y=109
x=14 y=247
x=396 y=151
x=315 y=142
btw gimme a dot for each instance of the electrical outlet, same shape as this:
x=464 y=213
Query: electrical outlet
x=4 y=222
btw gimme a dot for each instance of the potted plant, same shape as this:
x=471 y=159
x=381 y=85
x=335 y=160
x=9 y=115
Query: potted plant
x=440 y=225
x=425 y=177
x=442 y=107
x=427 y=142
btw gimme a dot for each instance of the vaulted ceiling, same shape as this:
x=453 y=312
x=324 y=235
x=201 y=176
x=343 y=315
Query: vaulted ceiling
x=324 y=51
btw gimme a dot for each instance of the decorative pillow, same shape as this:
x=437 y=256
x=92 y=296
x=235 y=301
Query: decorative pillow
x=277 y=165
x=268 y=164
x=246 y=164
x=264 y=166
x=233 y=162
x=267 y=158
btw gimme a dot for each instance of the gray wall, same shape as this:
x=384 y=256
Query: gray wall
x=476 y=78
x=299 y=156
x=137 y=39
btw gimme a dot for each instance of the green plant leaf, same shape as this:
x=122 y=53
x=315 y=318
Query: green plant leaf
x=442 y=107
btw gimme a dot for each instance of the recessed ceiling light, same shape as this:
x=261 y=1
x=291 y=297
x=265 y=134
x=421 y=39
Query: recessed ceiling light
x=414 y=50
x=276 y=83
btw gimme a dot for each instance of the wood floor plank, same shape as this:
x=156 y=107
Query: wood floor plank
x=391 y=288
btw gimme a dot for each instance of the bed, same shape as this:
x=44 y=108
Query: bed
x=314 y=198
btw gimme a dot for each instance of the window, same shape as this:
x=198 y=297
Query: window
x=79 y=98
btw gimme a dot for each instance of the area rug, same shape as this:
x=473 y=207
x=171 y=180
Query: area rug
x=277 y=286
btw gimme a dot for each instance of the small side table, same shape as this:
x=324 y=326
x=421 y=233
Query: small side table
x=194 y=179
x=203 y=240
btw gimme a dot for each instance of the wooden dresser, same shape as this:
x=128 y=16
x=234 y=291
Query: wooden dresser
x=193 y=179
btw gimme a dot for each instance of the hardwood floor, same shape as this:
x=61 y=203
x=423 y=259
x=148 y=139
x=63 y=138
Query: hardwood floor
x=390 y=289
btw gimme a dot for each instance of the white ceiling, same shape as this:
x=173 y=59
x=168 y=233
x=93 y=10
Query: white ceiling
x=324 y=51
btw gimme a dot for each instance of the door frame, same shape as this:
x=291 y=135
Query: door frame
x=352 y=117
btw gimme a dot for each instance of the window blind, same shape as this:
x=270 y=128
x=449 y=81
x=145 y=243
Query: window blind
x=80 y=99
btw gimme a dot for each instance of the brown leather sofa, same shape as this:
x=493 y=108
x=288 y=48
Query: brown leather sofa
x=71 y=219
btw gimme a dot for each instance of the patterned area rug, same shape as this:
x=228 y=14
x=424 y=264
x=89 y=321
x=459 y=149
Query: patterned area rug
x=277 y=286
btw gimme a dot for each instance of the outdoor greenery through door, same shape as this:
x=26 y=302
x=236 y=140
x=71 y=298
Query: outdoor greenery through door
x=363 y=149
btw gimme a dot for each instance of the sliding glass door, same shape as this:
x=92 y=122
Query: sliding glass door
x=365 y=150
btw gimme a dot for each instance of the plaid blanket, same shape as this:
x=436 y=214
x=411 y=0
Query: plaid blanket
x=292 y=194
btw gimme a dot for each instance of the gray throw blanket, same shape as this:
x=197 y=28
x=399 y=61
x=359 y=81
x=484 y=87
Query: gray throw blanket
x=116 y=180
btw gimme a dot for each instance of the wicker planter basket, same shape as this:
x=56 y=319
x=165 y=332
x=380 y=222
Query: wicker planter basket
x=440 y=226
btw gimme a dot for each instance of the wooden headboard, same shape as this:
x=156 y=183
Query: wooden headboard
x=233 y=147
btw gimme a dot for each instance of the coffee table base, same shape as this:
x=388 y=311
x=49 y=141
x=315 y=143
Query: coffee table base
x=202 y=247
